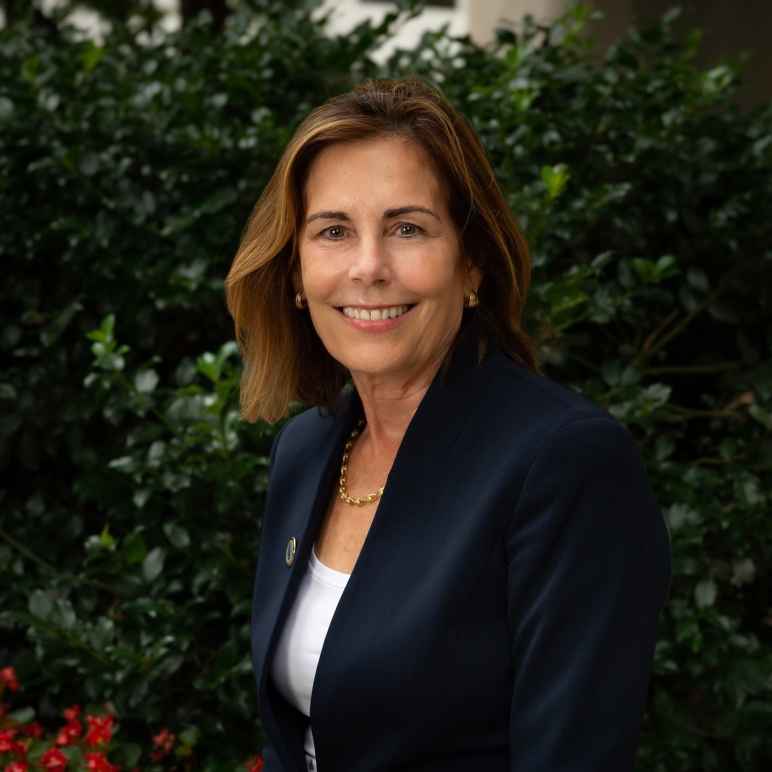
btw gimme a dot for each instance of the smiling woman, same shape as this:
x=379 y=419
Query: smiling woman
x=461 y=562
x=380 y=262
x=409 y=122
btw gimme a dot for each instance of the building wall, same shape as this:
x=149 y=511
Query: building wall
x=477 y=18
x=484 y=17
x=346 y=14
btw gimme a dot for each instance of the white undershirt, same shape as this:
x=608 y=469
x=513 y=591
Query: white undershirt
x=300 y=643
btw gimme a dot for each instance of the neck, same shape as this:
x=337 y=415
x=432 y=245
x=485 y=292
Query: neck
x=389 y=406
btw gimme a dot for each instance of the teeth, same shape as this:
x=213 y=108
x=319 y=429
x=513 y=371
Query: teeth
x=374 y=314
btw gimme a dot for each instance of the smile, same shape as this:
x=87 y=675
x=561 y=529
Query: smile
x=374 y=314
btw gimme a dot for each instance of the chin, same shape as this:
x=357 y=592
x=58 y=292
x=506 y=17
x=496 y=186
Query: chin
x=373 y=364
x=370 y=367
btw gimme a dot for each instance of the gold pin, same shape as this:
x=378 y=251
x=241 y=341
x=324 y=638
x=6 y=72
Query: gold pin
x=289 y=553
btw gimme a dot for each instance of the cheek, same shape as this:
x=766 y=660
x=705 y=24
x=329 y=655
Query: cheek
x=317 y=275
x=432 y=277
x=443 y=285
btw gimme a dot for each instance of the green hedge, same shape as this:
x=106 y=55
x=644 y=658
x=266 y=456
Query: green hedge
x=131 y=494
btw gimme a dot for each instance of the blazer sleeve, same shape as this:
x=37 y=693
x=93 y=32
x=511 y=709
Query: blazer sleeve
x=588 y=563
x=271 y=761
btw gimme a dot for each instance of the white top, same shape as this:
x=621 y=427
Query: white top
x=300 y=643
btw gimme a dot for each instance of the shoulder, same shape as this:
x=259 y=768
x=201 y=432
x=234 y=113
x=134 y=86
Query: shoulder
x=307 y=435
x=513 y=397
x=302 y=434
x=547 y=435
x=571 y=459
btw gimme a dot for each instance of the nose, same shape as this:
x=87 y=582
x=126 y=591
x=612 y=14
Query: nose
x=369 y=261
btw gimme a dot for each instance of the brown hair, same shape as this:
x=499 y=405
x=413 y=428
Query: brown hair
x=284 y=359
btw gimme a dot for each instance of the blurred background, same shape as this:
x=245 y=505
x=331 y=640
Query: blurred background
x=730 y=29
x=633 y=142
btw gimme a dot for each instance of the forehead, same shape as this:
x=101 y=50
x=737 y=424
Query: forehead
x=380 y=167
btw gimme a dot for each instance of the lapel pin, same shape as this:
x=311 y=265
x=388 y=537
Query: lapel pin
x=289 y=552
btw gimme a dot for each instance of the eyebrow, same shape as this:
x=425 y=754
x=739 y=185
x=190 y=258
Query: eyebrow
x=327 y=215
x=389 y=214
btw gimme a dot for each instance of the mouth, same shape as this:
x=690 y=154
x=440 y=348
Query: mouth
x=374 y=314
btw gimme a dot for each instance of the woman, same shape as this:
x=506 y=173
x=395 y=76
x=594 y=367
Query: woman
x=461 y=563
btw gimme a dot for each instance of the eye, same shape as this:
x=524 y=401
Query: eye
x=408 y=229
x=334 y=232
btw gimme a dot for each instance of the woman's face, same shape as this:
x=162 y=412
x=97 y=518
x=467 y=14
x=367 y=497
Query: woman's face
x=380 y=260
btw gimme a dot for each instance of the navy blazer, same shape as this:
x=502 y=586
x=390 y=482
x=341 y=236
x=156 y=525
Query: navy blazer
x=502 y=612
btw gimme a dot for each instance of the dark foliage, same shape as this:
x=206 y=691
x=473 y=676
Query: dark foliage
x=131 y=493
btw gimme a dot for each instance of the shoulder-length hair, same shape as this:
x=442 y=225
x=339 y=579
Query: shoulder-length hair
x=284 y=359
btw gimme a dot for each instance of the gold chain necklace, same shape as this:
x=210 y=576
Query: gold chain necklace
x=356 y=501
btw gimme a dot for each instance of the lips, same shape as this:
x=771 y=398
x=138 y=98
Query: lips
x=374 y=314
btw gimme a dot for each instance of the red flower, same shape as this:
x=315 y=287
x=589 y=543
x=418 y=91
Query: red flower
x=32 y=730
x=9 y=745
x=72 y=712
x=17 y=766
x=97 y=762
x=100 y=729
x=164 y=742
x=255 y=764
x=53 y=760
x=69 y=733
x=8 y=678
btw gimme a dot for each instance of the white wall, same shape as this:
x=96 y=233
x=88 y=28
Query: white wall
x=91 y=24
x=477 y=18
x=346 y=14
x=486 y=15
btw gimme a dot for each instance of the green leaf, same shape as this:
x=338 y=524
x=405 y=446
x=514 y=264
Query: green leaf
x=210 y=366
x=105 y=538
x=555 y=179
x=679 y=515
x=764 y=417
x=91 y=56
x=705 y=593
x=65 y=614
x=190 y=736
x=743 y=572
x=41 y=604
x=7 y=391
x=134 y=549
x=145 y=381
x=104 y=333
x=127 y=754
x=125 y=464
x=6 y=108
x=153 y=564
x=177 y=535
x=22 y=715
x=750 y=490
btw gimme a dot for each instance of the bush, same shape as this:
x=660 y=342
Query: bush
x=74 y=747
x=132 y=494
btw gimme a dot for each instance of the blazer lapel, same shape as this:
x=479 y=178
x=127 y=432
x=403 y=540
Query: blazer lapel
x=298 y=502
